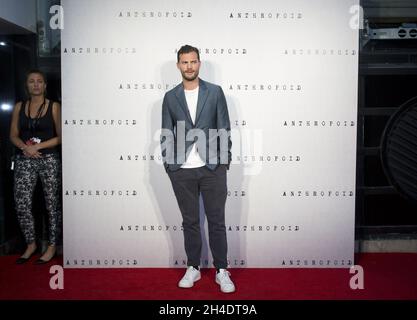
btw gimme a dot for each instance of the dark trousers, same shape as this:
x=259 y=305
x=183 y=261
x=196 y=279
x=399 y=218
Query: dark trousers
x=187 y=185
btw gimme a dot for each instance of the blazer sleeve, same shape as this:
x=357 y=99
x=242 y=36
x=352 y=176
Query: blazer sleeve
x=167 y=135
x=223 y=122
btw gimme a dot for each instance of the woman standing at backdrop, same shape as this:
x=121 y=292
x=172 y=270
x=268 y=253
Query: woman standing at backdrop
x=36 y=132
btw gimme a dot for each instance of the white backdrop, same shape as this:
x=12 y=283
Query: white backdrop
x=289 y=73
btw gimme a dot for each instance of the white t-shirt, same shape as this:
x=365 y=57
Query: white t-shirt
x=193 y=160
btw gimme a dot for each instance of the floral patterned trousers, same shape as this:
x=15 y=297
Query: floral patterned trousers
x=27 y=170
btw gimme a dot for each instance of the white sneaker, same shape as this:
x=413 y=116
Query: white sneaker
x=223 y=279
x=191 y=275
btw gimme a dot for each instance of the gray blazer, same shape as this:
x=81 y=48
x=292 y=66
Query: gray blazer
x=211 y=130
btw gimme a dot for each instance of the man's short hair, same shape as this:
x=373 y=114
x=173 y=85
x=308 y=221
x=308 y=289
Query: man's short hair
x=187 y=49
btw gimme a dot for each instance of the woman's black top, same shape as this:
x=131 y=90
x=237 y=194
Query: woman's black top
x=38 y=129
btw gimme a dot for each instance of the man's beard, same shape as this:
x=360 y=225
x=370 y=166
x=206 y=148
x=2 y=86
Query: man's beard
x=189 y=78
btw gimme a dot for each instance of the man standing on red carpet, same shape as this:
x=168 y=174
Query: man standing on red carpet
x=195 y=143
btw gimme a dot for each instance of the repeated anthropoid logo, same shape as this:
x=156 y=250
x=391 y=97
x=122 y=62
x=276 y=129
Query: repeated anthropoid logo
x=321 y=193
x=318 y=123
x=220 y=51
x=100 y=262
x=257 y=87
x=231 y=262
x=116 y=262
x=317 y=52
x=246 y=150
x=245 y=159
x=95 y=51
x=94 y=122
x=285 y=123
x=230 y=228
x=137 y=14
x=117 y=50
x=285 y=87
x=266 y=15
x=239 y=15
x=99 y=193
x=317 y=262
x=213 y=51
x=286 y=263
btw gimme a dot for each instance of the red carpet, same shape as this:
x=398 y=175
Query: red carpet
x=386 y=276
